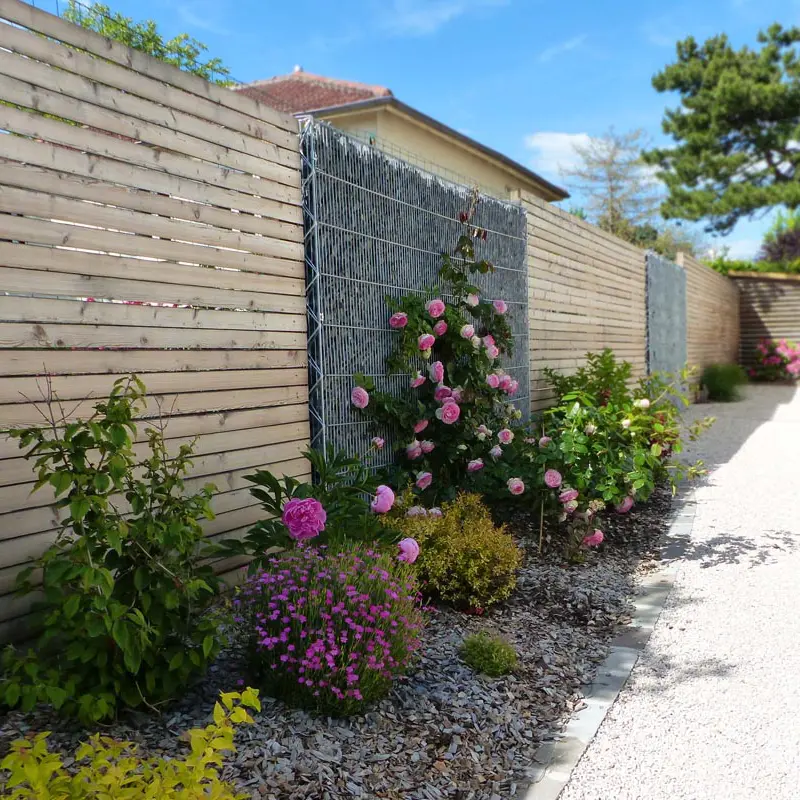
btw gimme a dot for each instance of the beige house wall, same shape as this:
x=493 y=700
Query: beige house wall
x=359 y=124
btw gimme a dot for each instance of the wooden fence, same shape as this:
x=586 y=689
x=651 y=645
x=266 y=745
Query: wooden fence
x=712 y=315
x=770 y=309
x=149 y=221
x=586 y=291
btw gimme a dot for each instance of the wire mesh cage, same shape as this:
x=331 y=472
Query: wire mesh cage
x=376 y=227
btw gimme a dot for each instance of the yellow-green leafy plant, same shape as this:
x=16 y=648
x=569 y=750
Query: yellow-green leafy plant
x=465 y=559
x=490 y=654
x=105 y=768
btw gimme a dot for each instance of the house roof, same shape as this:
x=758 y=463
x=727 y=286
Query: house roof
x=303 y=93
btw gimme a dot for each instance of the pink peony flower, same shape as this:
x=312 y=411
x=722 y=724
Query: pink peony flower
x=409 y=550
x=398 y=320
x=515 y=486
x=436 y=371
x=475 y=465
x=441 y=393
x=420 y=426
x=467 y=331
x=552 y=478
x=426 y=341
x=435 y=308
x=472 y=300
x=594 y=539
x=424 y=480
x=568 y=495
x=544 y=441
x=440 y=328
x=493 y=352
x=304 y=518
x=359 y=397
x=414 y=450
x=500 y=306
x=505 y=436
x=417 y=511
x=378 y=443
x=449 y=413
x=512 y=387
x=625 y=506
x=435 y=512
x=427 y=446
x=496 y=451
x=417 y=380
x=493 y=380
x=383 y=500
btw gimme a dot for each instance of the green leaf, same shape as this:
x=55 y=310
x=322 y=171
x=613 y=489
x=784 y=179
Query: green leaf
x=655 y=449
x=78 y=507
x=57 y=696
x=11 y=695
x=60 y=481
x=176 y=661
x=118 y=435
x=140 y=578
x=72 y=605
x=208 y=645
x=101 y=482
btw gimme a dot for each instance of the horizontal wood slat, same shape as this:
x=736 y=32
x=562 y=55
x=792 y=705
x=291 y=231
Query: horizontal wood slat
x=150 y=222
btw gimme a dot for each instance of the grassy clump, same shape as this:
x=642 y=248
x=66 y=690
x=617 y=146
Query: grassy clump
x=723 y=382
x=492 y=655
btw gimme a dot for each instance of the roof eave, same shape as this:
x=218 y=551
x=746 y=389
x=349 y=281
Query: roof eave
x=556 y=192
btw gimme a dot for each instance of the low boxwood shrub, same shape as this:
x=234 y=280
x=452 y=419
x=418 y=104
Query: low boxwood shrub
x=492 y=655
x=465 y=559
x=723 y=382
x=104 y=768
x=330 y=629
x=126 y=588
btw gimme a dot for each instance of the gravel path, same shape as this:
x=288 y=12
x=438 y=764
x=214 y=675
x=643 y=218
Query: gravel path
x=711 y=710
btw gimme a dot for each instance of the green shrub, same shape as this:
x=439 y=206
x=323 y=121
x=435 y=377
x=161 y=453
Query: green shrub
x=125 y=591
x=723 y=382
x=330 y=630
x=465 y=559
x=776 y=360
x=105 y=768
x=491 y=655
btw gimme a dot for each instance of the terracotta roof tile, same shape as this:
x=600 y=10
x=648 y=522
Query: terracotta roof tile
x=302 y=91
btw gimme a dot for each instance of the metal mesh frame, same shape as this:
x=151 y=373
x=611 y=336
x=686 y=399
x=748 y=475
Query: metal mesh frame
x=376 y=226
x=666 y=315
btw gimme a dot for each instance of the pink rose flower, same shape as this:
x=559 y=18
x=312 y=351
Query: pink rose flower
x=417 y=380
x=436 y=371
x=590 y=429
x=440 y=328
x=571 y=506
x=472 y=300
x=449 y=413
x=488 y=340
x=420 y=426
x=467 y=331
x=552 y=478
x=304 y=518
x=505 y=436
x=493 y=352
x=594 y=539
x=482 y=432
x=544 y=441
x=505 y=381
x=475 y=465
x=441 y=393
x=500 y=306
x=398 y=320
x=427 y=446
x=625 y=506
x=493 y=380
x=426 y=341
x=378 y=443
x=568 y=495
x=626 y=423
x=476 y=342
x=424 y=480
x=496 y=451
x=435 y=512
x=458 y=394
x=435 y=308
x=417 y=511
x=512 y=387
x=383 y=500
x=359 y=397
x=414 y=450
x=515 y=486
x=409 y=550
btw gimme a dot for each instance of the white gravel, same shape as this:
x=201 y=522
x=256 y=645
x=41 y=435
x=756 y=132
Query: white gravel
x=713 y=707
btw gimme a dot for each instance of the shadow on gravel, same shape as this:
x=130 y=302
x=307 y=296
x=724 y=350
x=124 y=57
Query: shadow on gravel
x=661 y=674
x=720 y=550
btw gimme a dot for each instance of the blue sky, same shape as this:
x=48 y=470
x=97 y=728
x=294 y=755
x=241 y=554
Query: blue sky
x=525 y=77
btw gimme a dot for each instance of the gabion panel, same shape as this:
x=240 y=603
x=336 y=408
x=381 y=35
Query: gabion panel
x=666 y=315
x=376 y=226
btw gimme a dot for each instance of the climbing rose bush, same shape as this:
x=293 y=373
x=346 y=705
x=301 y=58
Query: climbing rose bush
x=776 y=360
x=330 y=630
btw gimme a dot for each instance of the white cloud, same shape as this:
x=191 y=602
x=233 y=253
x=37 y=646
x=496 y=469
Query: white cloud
x=562 y=47
x=204 y=21
x=552 y=151
x=424 y=17
x=740 y=248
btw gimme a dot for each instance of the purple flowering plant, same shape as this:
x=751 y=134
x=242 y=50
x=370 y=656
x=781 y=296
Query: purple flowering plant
x=329 y=629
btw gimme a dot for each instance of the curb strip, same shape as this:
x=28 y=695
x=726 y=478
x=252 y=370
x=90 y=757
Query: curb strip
x=559 y=757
